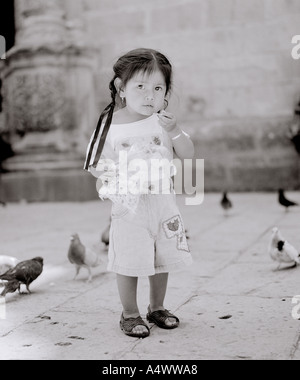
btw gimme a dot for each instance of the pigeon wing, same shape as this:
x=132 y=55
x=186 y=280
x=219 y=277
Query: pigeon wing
x=76 y=253
x=27 y=271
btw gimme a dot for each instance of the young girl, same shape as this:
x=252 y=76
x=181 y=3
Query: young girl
x=147 y=236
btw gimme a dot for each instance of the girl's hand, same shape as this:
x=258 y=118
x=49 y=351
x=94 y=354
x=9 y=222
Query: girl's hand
x=167 y=120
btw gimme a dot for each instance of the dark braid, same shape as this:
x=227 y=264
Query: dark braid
x=109 y=110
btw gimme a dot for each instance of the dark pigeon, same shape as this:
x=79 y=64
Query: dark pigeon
x=25 y=272
x=226 y=202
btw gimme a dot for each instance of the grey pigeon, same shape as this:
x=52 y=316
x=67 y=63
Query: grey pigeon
x=281 y=250
x=25 y=272
x=81 y=256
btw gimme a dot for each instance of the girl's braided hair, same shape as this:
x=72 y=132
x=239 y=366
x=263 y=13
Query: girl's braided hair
x=128 y=65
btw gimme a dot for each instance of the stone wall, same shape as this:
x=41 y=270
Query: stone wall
x=235 y=87
x=235 y=84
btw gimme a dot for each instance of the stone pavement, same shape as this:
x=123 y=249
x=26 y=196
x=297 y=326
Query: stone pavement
x=231 y=303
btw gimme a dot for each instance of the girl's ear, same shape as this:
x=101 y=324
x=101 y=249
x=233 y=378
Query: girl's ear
x=119 y=86
x=166 y=100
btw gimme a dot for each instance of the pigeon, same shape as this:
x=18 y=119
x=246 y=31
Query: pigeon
x=281 y=250
x=105 y=235
x=25 y=272
x=7 y=262
x=226 y=202
x=81 y=256
x=284 y=201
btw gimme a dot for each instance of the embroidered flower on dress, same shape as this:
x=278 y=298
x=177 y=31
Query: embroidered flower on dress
x=138 y=149
x=156 y=140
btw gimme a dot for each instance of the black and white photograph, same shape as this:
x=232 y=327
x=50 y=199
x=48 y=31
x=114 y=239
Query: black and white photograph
x=149 y=183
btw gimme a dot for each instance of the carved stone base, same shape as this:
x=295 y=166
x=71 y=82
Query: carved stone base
x=42 y=161
x=72 y=185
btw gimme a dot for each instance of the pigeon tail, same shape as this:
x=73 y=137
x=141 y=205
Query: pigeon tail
x=284 y=201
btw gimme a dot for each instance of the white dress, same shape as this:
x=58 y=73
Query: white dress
x=136 y=159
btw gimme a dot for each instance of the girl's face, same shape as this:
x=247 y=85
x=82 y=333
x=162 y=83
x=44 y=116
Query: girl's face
x=145 y=93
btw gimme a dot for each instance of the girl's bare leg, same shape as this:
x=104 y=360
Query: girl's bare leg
x=158 y=288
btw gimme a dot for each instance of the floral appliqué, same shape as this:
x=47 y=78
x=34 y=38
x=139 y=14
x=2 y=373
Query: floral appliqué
x=173 y=227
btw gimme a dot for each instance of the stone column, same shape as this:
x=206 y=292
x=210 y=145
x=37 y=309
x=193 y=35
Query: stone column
x=47 y=87
x=48 y=91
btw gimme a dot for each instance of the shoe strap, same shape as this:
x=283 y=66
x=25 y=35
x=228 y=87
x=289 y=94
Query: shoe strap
x=162 y=315
x=129 y=323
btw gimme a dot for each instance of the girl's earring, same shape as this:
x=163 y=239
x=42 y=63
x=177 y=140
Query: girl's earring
x=123 y=100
